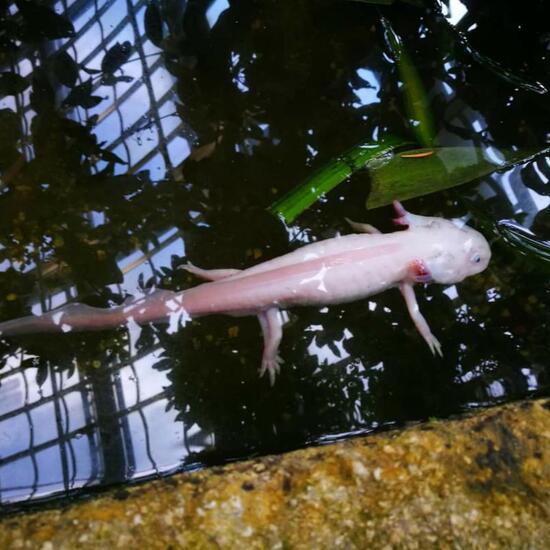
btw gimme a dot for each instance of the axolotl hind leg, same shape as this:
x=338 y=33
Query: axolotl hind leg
x=406 y=218
x=363 y=227
x=269 y=321
x=272 y=328
x=209 y=274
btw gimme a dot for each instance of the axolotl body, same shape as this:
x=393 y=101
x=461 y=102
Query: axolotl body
x=332 y=271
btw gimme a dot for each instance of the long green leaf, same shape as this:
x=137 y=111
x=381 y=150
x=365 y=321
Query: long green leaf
x=414 y=95
x=517 y=77
x=406 y=176
x=376 y=2
x=523 y=240
x=330 y=175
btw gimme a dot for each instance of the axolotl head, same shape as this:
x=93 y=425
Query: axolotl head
x=453 y=253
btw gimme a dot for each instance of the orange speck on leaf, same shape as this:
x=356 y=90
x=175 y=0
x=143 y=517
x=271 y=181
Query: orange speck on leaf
x=417 y=155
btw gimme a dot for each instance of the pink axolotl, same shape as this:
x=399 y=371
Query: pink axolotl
x=332 y=271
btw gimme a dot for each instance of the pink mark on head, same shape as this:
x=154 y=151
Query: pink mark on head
x=419 y=272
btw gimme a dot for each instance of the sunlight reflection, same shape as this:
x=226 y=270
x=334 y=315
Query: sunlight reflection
x=496 y=389
x=368 y=94
x=532 y=382
x=328 y=354
x=456 y=11
x=216 y=8
x=451 y=292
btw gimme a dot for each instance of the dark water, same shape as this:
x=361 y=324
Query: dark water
x=99 y=200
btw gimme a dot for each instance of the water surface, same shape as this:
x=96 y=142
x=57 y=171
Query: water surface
x=101 y=199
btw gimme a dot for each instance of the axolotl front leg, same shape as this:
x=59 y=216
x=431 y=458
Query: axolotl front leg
x=419 y=273
x=407 y=290
x=270 y=322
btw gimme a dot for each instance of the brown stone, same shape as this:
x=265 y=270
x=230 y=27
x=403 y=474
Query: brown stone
x=476 y=482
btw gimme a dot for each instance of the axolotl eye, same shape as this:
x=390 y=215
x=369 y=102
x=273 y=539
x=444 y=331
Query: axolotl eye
x=476 y=258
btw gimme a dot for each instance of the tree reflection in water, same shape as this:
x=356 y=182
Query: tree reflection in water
x=99 y=200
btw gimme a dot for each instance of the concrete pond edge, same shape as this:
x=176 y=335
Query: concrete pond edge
x=479 y=481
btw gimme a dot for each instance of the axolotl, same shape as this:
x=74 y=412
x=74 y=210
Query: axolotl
x=332 y=271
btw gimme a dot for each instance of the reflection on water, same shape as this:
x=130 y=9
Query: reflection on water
x=262 y=94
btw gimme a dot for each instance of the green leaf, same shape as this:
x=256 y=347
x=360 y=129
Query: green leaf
x=91 y=72
x=65 y=69
x=82 y=95
x=330 y=175
x=42 y=22
x=517 y=78
x=11 y=127
x=377 y=2
x=404 y=177
x=43 y=94
x=523 y=240
x=153 y=24
x=9 y=136
x=12 y=83
x=115 y=57
x=108 y=156
x=41 y=375
x=112 y=80
x=416 y=100
x=505 y=73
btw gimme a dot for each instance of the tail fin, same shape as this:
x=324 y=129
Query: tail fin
x=157 y=306
x=72 y=317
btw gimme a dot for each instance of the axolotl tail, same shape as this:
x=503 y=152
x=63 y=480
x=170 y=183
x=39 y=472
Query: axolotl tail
x=161 y=305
